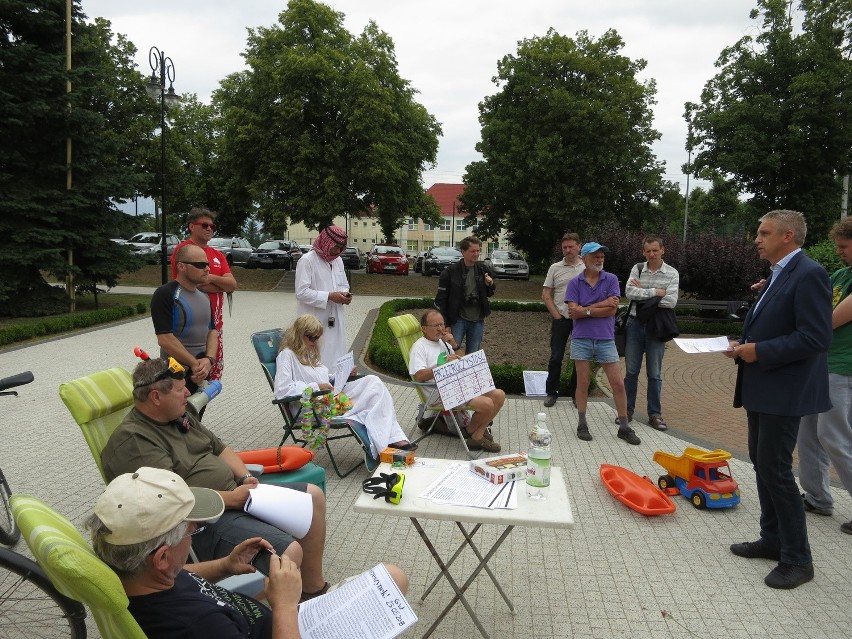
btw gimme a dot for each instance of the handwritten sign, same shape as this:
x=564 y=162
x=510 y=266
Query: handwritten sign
x=463 y=379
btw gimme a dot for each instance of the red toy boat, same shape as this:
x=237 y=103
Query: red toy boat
x=635 y=492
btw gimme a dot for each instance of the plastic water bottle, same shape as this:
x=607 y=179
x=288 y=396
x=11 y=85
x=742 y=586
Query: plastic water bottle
x=538 y=459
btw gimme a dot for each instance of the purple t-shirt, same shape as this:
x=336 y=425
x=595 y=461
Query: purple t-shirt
x=579 y=292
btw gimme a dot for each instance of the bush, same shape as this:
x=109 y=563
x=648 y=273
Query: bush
x=141 y=309
x=710 y=266
x=61 y=324
x=826 y=254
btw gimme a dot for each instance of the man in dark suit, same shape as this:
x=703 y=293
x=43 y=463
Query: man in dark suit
x=783 y=375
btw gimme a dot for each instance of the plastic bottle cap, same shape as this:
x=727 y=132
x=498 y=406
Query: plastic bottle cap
x=542 y=417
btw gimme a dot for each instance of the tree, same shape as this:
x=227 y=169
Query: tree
x=565 y=142
x=321 y=124
x=41 y=219
x=777 y=118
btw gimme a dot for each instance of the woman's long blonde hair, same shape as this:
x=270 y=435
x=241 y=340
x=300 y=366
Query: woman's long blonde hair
x=292 y=339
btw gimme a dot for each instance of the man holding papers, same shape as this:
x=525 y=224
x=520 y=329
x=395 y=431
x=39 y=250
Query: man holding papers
x=158 y=432
x=436 y=347
x=142 y=528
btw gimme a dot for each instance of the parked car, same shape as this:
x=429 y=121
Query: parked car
x=418 y=262
x=147 y=245
x=236 y=249
x=509 y=264
x=353 y=258
x=274 y=254
x=438 y=258
x=387 y=258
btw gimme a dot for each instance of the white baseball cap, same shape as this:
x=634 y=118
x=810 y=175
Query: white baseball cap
x=140 y=506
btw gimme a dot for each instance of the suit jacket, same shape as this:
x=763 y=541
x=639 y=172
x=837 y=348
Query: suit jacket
x=792 y=328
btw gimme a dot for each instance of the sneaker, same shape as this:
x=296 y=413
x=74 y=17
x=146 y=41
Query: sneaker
x=629 y=435
x=789 y=576
x=756 y=550
x=816 y=510
x=550 y=401
x=656 y=421
x=583 y=433
x=847 y=527
x=488 y=446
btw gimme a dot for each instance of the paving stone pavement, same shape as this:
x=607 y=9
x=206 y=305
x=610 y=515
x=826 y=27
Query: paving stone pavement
x=614 y=574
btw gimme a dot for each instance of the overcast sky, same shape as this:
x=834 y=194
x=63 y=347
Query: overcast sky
x=449 y=50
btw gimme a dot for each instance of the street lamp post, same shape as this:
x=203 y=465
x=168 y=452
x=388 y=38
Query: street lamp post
x=162 y=69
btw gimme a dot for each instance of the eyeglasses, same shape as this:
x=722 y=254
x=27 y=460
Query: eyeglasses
x=174 y=370
x=199 y=265
x=313 y=338
x=436 y=325
x=207 y=226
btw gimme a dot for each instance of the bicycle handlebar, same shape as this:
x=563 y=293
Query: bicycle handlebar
x=16 y=380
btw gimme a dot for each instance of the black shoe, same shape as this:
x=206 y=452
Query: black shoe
x=409 y=446
x=847 y=527
x=583 y=433
x=756 y=550
x=789 y=576
x=629 y=435
x=550 y=401
x=816 y=510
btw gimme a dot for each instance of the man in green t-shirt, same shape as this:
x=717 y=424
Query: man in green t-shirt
x=827 y=437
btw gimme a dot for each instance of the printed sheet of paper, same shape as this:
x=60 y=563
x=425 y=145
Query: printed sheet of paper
x=370 y=607
x=535 y=383
x=459 y=486
x=463 y=379
x=342 y=368
x=703 y=345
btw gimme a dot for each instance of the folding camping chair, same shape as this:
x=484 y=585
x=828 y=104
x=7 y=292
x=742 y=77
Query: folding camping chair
x=406 y=329
x=266 y=346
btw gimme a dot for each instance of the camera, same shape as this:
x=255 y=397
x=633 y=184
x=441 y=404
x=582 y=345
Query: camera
x=331 y=322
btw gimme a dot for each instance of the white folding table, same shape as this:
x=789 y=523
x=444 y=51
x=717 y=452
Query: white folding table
x=554 y=512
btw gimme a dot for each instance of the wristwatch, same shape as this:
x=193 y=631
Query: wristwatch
x=242 y=479
x=212 y=360
x=588 y=312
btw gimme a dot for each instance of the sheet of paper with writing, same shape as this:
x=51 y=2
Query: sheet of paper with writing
x=463 y=379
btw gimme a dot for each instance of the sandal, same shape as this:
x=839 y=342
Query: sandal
x=306 y=596
x=484 y=444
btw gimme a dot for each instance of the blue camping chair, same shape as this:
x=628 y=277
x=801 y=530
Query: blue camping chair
x=266 y=346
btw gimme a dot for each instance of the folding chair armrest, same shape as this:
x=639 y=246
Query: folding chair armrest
x=287 y=400
x=320 y=393
x=425 y=384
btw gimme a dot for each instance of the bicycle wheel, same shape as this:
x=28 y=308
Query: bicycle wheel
x=30 y=607
x=9 y=533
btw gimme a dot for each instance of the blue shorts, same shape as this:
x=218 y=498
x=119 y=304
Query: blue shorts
x=601 y=351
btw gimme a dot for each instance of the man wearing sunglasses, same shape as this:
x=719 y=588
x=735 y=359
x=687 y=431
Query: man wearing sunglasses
x=142 y=527
x=183 y=316
x=162 y=431
x=220 y=280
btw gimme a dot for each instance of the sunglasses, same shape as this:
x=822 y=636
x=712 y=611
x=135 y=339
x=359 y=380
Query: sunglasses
x=207 y=226
x=199 y=265
x=174 y=370
x=197 y=531
x=313 y=338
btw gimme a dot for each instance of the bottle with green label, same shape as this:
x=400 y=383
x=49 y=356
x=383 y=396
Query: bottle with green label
x=538 y=459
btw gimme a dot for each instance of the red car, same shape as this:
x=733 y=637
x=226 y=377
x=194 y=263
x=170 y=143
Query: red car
x=387 y=258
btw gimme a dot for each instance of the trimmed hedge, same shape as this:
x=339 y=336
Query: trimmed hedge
x=385 y=354
x=63 y=323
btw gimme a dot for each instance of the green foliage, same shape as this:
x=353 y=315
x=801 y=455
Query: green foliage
x=825 y=253
x=566 y=142
x=61 y=324
x=321 y=124
x=43 y=220
x=777 y=117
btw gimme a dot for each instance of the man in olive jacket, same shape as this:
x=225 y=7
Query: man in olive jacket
x=463 y=292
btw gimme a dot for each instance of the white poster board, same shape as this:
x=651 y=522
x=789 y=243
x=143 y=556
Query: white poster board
x=463 y=379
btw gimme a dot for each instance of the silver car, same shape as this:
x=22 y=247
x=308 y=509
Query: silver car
x=236 y=249
x=508 y=264
x=147 y=245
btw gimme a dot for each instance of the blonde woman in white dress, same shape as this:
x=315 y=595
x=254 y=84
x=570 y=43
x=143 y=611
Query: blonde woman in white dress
x=299 y=366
